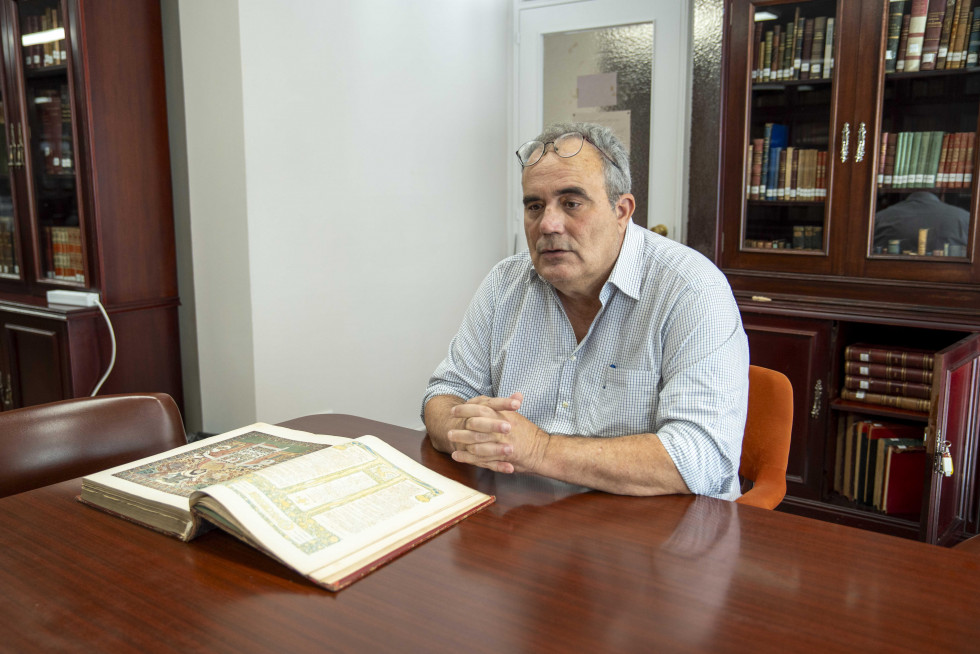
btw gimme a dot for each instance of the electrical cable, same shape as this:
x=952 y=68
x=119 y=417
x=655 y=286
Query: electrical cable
x=112 y=337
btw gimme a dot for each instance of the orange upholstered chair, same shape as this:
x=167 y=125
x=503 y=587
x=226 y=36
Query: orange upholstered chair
x=49 y=443
x=765 y=445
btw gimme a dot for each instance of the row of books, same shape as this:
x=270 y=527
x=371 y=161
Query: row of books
x=881 y=465
x=42 y=55
x=64 y=254
x=926 y=159
x=805 y=237
x=8 y=252
x=931 y=35
x=799 y=50
x=779 y=171
x=895 y=377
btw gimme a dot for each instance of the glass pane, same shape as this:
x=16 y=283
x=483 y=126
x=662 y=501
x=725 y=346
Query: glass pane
x=927 y=130
x=9 y=259
x=789 y=127
x=51 y=146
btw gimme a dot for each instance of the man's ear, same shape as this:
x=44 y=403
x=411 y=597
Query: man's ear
x=625 y=206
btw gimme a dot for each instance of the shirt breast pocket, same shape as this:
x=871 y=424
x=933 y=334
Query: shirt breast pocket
x=625 y=403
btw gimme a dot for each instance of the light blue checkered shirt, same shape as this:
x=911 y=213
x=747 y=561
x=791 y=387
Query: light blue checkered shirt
x=666 y=354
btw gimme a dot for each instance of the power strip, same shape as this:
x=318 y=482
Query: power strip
x=73 y=298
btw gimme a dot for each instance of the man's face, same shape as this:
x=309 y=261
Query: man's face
x=573 y=233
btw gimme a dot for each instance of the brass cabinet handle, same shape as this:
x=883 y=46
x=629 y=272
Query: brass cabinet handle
x=859 y=153
x=817 y=399
x=845 y=142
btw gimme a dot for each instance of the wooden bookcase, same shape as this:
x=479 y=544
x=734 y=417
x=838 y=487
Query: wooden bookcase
x=806 y=270
x=85 y=200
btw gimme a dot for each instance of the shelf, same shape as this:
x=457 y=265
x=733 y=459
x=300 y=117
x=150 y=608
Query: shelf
x=878 y=410
x=45 y=72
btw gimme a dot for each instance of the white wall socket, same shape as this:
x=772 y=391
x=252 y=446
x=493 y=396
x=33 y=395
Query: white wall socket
x=73 y=298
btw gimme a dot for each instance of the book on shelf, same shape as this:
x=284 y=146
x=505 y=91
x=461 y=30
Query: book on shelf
x=874 y=442
x=881 y=466
x=973 y=41
x=883 y=371
x=904 y=480
x=896 y=9
x=903 y=38
x=960 y=36
x=861 y=457
x=930 y=41
x=333 y=509
x=890 y=355
x=799 y=24
x=828 y=49
x=893 y=401
x=887 y=387
x=918 y=11
x=816 y=54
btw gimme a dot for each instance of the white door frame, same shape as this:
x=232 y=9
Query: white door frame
x=670 y=96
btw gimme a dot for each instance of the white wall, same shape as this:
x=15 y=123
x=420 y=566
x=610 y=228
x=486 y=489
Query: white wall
x=373 y=140
x=204 y=90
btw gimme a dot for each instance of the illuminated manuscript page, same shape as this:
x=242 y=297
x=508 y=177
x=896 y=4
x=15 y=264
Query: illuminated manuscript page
x=334 y=508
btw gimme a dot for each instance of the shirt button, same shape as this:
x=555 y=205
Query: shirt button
x=564 y=405
x=573 y=358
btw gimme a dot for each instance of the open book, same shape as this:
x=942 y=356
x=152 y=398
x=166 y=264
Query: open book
x=331 y=508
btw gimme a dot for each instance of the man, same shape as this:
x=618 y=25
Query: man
x=606 y=356
x=948 y=225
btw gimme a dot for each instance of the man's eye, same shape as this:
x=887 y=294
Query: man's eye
x=572 y=204
x=533 y=207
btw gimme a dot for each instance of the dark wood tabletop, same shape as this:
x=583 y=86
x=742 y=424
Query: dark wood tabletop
x=546 y=568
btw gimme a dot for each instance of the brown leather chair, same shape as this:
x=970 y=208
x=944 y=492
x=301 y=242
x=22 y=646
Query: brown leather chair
x=49 y=443
x=970 y=545
x=765 y=444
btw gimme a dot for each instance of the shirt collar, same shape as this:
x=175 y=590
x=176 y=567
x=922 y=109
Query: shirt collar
x=624 y=274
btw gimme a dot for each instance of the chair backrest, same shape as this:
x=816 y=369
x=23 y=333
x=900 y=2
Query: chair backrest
x=970 y=545
x=49 y=443
x=765 y=444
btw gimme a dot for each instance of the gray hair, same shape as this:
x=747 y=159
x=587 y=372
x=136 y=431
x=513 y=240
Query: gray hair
x=617 y=179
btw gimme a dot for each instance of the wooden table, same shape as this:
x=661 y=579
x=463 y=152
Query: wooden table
x=546 y=568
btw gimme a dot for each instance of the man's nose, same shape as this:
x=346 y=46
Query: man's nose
x=553 y=220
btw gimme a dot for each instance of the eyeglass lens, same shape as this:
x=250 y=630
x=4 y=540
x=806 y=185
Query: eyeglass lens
x=566 y=145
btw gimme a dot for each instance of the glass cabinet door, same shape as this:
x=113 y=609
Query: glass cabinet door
x=790 y=113
x=10 y=157
x=930 y=95
x=44 y=57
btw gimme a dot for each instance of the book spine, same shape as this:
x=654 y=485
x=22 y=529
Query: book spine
x=816 y=53
x=893 y=401
x=890 y=159
x=882 y=371
x=888 y=387
x=757 y=52
x=801 y=22
x=903 y=40
x=943 y=159
x=973 y=42
x=895 y=10
x=828 y=49
x=958 y=48
x=930 y=41
x=971 y=138
x=948 y=16
x=917 y=29
x=808 y=29
x=890 y=357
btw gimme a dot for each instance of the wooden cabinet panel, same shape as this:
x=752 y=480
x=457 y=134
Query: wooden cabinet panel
x=85 y=198
x=954 y=423
x=800 y=350
x=36 y=356
x=803 y=301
